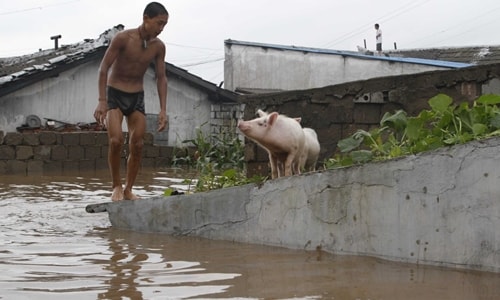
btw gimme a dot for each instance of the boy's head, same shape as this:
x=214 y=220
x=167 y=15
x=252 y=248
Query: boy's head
x=376 y=26
x=154 y=9
x=154 y=19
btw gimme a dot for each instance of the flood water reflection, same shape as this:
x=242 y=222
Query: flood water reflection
x=50 y=248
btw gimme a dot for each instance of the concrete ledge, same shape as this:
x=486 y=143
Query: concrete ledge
x=438 y=208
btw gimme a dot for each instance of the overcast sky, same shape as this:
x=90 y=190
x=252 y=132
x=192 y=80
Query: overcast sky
x=197 y=29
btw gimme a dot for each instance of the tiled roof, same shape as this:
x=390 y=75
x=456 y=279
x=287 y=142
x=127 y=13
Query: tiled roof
x=16 y=68
x=18 y=72
x=479 y=55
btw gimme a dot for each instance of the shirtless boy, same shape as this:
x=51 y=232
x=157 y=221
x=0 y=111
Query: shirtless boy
x=121 y=93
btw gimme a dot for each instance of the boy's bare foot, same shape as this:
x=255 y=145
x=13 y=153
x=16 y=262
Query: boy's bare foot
x=117 y=194
x=128 y=195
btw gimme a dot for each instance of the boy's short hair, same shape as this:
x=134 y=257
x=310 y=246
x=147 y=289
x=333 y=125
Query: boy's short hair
x=154 y=9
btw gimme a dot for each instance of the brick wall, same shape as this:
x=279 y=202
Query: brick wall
x=49 y=152
x=224 y=117
x=337 y=111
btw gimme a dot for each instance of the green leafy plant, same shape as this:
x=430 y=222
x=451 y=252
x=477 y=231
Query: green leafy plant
x=219 y=161
x=444 y=124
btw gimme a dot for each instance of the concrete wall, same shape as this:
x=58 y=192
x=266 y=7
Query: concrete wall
x=337 y=111
x=277 y=69
x=439 y=208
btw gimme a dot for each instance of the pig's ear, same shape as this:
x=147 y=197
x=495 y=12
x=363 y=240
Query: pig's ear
x=272 y=118
x=298 y=119
x=261 y=113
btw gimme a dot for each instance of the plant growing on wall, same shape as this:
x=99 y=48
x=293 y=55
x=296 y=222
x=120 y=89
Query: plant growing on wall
x=443 y=125
x=219 y=161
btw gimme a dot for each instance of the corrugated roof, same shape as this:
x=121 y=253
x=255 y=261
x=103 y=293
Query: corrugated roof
x=359 y=55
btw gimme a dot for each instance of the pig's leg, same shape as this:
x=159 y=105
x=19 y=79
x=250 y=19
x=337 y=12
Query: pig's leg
x=274 y=166
x=288 y=164
x=281 y=171
x=296 y=166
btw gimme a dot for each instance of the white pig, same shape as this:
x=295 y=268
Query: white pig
x=311 y=150
x=282 y=137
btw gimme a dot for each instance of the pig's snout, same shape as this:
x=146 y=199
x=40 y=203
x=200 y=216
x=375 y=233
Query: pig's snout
x=242 y=125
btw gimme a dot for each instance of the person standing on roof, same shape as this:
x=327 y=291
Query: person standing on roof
x=121 y=93
x=378 y=38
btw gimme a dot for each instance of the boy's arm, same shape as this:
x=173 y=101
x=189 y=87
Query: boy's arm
x=108 y=59
x=161 y=84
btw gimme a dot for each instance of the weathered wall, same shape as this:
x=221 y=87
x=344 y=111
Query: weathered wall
x=59 y=153
x=337 y=111
x=53 y=152
x=439 y=208
x=261 y=67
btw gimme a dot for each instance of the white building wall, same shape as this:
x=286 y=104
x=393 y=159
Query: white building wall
x=258 y=67
x=72 y=97
x=66 y=98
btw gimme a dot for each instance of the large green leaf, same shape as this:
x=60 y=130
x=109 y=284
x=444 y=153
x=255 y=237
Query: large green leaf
x=396 y=120
x=414 y=128
x=489 y=99
x=440 y=102
x=479 y=129
x=350 y=143
x=361 y=156
x=495 y=121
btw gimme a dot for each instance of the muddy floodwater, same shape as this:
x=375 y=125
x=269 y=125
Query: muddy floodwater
x=50 y=248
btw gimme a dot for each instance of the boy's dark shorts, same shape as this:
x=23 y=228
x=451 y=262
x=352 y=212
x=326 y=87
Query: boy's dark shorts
x=379 y=47
x=126 y=102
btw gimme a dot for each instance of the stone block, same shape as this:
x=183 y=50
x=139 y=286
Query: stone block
x=16 y=167
x=148 y=162
x=93 y=152
x=34 y=167
x=367 y=113
x=59 y=153
x=42 y=152
x=70 y=166
x=48 y=138
x=87 y=138
x=104 y=151
x=163 y=162
x=101 y=163
x=72 y=138
x=7 y=152
x=76 y=152
x=3 y=167
x=31 y=139
x=261 y=154
x=258 y=168
x=101 y=138
x=86 y=165
x=150 y=151
x=249 y=151
x=148 y=138
x=166 y=151
x=24 y=152
x=52 y=167
x=13 y=138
